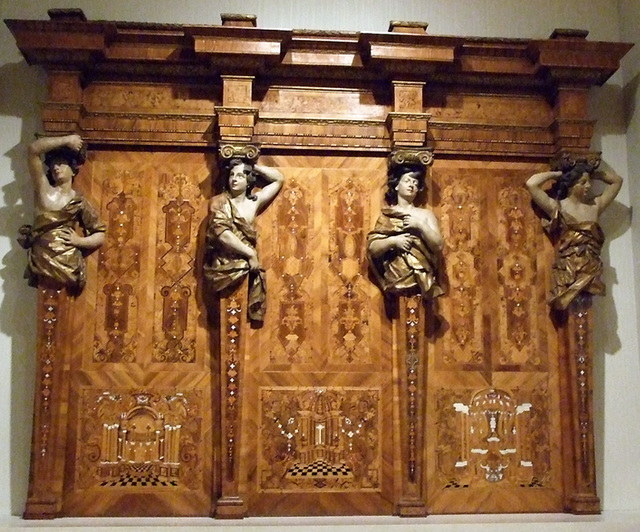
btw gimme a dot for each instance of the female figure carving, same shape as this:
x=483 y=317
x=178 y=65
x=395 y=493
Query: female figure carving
x=404 y=246
x=231 y=237
x=573 y=227
x=55 y=250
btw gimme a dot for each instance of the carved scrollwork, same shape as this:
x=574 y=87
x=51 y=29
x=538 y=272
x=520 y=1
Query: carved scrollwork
x=251 y=152
x=423 y=157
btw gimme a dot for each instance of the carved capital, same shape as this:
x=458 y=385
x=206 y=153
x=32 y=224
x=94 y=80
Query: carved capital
x=566 y=160
x=248 y=152
x=423 y=157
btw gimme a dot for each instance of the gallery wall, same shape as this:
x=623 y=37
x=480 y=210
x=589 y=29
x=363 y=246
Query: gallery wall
x=630 y=32
x=614 y=106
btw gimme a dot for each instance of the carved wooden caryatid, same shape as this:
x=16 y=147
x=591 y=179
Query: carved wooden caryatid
x=575 y=278
x=404 y=246
x=332 y=406
x=231 y=253
x=56 y=265
x=231 y=258
x=573 y=226
x=404 y=252
x=56 y=251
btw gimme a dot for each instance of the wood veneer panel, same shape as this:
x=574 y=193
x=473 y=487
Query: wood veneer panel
x=318 y=387
x=140 y=438
x=493 y=426
x=131 y=382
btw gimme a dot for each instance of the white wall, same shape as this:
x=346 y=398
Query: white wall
x=617 y=397
x=631 y=70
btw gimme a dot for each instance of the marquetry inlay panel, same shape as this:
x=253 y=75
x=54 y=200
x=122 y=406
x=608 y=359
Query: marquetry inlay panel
x=119 y=272
x=147 y=98
x=293 y=265
x=349 y=316
x=518 y=277
x=320 y=218
x=317 y=385
x=140 y=440
x=486 y=437
x=461 y=212
x=180 y=207
x=490 y=424
x=154 y=398
x=140 y=393
x=324 y=439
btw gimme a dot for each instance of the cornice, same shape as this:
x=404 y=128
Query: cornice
x=147 y=50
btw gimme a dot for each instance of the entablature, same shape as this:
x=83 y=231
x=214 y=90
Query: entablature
x=198 y=85
x=95 y=48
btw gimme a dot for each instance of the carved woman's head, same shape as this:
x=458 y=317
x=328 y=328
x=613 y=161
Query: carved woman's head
x=241 y=178
x=395 y=175
x=64 y=156
x=571 y=177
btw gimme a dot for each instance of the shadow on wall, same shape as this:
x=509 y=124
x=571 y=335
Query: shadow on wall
x=615 y=221
x=22 y=88
x=605 y=106
x=630 y=92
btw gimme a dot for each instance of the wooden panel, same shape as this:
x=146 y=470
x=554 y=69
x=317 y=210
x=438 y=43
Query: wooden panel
x=140 y=438
x=318 y=387
x=319 y=102
x=493 y=435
